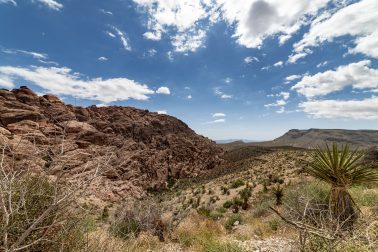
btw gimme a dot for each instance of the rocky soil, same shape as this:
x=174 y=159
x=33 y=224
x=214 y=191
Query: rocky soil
x=133 y=149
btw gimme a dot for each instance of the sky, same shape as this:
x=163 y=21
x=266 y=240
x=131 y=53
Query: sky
x=230 y=69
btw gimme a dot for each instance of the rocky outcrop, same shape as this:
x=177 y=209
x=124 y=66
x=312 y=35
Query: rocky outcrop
x=133 y=149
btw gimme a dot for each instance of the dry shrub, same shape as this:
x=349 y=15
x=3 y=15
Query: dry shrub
x=134 y=217
x=29 y=209
x=196 y=231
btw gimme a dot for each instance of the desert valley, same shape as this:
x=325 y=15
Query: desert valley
x=189 y=126
x=124 y=179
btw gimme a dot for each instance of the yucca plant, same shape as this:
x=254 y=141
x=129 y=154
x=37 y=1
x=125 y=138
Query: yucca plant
x=341 y=168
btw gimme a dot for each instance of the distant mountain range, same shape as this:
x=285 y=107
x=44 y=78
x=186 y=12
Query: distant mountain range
x=226 y=141
x=313 y=138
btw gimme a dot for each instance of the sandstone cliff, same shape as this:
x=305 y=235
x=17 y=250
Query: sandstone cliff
x=133 y=149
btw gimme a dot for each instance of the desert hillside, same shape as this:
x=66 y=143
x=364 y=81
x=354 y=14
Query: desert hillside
x=313 y=138
x=134 y=149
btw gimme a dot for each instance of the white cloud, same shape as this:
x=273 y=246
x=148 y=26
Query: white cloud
x=36 y=55
x=189 y=41
x=222 y=120
x=189 y=97
x=321 y=64
x=218 y=115
x=122 y=36
x=181 y=16
x=163 y=90
x=228 y=80
x=106 y=12
x=278 y=64
x=358 y=75
x=293 y=77
x=254 y=20
x=366 y=109
x=285 y=95
x=151 y=52
x=221 y=94
x=358 y=20
x=162 y=112
x=102 y=58
x=8 y=1
x=111 y=34
x=62 y=81
x=251 y=59
x=52 y=4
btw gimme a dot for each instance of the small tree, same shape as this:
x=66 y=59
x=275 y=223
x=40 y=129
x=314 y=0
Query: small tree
x=341 y=169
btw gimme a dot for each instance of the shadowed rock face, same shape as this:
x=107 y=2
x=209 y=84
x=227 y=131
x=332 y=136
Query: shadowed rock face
x=134 y=149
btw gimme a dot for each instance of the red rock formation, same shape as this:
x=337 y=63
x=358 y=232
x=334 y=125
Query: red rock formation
x=135 y=149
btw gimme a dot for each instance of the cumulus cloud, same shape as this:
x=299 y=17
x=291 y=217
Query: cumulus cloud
x=254 y=20
x=363 y=28
x=163 y=90
x=366 y=109
x=280 y=103
x=181 y=16
x=189 y=97
x=358 y=75
x=62 y=81
x=219 y=115
x=102 y=58
x=251 y=59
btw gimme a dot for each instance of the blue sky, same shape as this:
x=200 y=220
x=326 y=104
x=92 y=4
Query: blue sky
x=249 y=69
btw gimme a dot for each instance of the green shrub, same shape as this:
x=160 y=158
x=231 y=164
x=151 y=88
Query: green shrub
x=231 y=220
x=274 y=224
x=215 y=215
x=203 y=211
x=228 y=204
x=237 y=183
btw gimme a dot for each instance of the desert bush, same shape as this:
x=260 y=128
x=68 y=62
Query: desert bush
x=245 y=194
x=237 y=183
x=261 y=209
x=133 y=217
x=274 y=224
x=278 y=194
x=231 y=221
x=204 y=211
x=217 y=246
x=228 y=204
x=36 y=215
